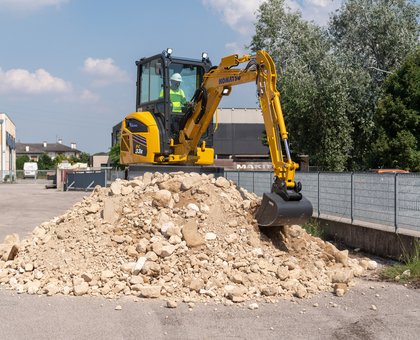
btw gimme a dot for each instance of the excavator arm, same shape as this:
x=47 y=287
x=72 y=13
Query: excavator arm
x=218 y=82
x=285 y=204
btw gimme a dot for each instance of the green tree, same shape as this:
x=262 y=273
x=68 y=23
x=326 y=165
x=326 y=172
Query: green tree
x=312 y=83
x=82 y=158
x=371 y=38
x=20 y=161
x=59 y=159
x=114 y=155
x=397 y=119
x=45 y=162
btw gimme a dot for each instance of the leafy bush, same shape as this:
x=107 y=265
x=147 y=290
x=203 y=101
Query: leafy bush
x=313 y=228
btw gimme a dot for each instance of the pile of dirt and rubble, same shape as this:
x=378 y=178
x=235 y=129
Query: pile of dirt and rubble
x=177 y=236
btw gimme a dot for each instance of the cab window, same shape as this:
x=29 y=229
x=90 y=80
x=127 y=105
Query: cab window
x=191 y=77
x=151 y=81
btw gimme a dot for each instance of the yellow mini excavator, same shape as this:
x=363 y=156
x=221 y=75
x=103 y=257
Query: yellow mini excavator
x=168 y=129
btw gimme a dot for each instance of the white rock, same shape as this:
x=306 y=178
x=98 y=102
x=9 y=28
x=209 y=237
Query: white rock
x=257 y=252
x=81 y=289
x=165 y=226
x=222 y=182
x=38 y=274
x=107 y=274
x=150 y=291
x=171 y=304
x=253 y=306
x=193 y=206
x=126 y=190
x=116 y=187
x=372 y=265
x=210 y=236
x=231 y=238
x=139 y=265
x=406 y=273
x=175 y=239
x=93 y=208
x=189 y=182
x=204 y=208
x=33 y=287
x=167 y=250
x=142 y=245
x=162 y=198
x=29 y=267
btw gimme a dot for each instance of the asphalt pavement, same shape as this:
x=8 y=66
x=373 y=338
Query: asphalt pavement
x=25 y=205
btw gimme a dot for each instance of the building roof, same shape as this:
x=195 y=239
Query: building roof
x=38 y=148
x=4 y=114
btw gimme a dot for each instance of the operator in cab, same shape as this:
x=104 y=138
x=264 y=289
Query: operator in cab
x=178 y=100
x=176 y=94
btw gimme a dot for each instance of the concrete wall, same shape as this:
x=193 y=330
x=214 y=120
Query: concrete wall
x=98 y=160
x=7 y=145
x=374 y=239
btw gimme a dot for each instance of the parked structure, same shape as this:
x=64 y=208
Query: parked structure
x=7 y=146
x=35 y=150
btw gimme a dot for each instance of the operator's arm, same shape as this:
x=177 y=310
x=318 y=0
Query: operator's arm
x=183 y=99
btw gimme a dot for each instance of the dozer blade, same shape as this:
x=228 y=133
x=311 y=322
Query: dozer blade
x=275 y=211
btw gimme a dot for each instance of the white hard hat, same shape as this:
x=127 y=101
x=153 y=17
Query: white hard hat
x=176 y=77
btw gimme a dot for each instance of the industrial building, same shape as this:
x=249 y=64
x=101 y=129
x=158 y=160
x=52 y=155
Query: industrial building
x=238 y=134
x=7 y=147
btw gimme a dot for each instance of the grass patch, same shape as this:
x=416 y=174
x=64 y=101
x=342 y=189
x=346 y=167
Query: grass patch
x=313 y=228
x=408 y=271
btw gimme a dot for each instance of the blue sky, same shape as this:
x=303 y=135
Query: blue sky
x=67 y=66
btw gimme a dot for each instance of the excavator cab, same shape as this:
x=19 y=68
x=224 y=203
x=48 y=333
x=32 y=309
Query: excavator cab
x=156 y=93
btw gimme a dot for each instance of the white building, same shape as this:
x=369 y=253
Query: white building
x=36 y=150
x=7 y=147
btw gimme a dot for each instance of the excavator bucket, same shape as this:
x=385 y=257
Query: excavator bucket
x=275 y=211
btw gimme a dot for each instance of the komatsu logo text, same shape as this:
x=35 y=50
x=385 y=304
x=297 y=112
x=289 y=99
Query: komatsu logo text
x=229 y=79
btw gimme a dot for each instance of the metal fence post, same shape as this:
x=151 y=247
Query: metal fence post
x=396 y=202
x=253 y=181
x=319 y=212
x=351 y=196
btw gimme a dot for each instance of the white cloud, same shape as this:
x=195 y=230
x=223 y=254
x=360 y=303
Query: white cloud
x=28 y=5
x=240 y=15
x=319 y=11
x=320 y=3
x=104 y=71
x=235 y=48
x=88 y=96
x=39 y=82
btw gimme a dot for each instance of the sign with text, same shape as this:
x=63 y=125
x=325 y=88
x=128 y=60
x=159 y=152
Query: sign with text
x=253 y=166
